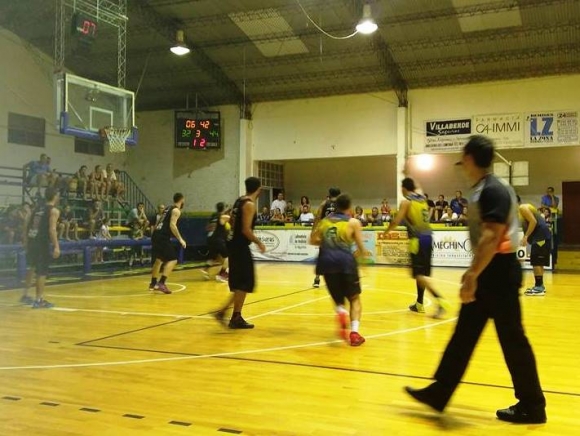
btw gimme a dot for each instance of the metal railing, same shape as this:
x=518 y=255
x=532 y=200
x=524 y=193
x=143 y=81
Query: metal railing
x=134 y=194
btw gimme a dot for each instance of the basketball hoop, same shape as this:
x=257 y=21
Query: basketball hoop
x=116 y=138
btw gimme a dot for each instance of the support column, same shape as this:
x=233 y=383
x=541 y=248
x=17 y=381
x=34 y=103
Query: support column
x=246 y=160
x=402 y=147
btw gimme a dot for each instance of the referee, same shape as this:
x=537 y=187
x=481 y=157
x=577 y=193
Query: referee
x=490 y=289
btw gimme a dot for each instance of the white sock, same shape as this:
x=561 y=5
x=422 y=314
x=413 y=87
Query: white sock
x=340 y=309
x=354 y=325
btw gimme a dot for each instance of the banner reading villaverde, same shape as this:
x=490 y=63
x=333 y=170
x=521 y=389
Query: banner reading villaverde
x=447 y=135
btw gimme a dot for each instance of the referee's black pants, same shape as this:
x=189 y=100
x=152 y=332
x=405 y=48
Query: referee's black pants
x=497 y=297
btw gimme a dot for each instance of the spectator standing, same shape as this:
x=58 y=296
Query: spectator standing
x=550 y=200
x=458 y=202
x=279 y=203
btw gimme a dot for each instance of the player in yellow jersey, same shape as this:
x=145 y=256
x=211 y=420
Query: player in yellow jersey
x=335 y=234
x=414 y=211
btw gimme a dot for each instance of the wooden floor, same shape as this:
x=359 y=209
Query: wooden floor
x=113 y=359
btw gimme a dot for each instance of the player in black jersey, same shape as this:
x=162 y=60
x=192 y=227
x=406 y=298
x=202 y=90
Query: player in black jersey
x=39 y=235
x=163 y=250
x=216 y=242
x=242 y=276
x=326 y=208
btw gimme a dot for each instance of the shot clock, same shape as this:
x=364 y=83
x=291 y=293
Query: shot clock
x=197 y=130
x=84 y=26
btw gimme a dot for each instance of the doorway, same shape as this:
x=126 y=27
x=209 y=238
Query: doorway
x=571 y=215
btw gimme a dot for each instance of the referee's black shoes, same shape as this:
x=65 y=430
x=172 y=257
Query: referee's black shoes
x=521 y=415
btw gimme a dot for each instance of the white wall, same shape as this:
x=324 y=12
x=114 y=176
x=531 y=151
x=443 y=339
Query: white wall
x=204 y=177
x=368 y=179
x=516 y=96
x=350 y=125
x=26 y=87
x=548 y=166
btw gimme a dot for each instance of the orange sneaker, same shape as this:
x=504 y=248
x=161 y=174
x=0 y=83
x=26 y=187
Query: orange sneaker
x=342 y=319
x=356 y=339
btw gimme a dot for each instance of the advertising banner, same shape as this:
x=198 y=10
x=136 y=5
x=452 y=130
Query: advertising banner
x=507 y=130
x=551 y=128
x=450 y=248
x=285 y=245
x=392 y=248
x=446 y=135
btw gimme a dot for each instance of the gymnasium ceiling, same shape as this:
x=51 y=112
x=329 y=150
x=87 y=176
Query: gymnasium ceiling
x=262 y=50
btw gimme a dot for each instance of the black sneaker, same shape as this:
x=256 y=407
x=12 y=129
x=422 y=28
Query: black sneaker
x=220 y=316
x=520 y=415
x=427 y=396
x=240 y=323
x=316 y=283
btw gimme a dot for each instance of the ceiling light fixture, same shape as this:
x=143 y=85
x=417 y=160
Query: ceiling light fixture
x=180 y=48
x=366 y=25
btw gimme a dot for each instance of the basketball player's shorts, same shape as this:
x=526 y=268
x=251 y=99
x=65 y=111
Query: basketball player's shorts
x=217 y=248
x=38 y=257
x=241 y=275
x=421 y=255
x=540 y=255
x=341 y=286
x=162 y=249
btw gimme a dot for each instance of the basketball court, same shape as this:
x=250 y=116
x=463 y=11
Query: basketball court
x=112 y=358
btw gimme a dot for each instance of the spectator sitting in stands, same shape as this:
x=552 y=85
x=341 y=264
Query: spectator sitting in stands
x=66 y=223
x=277 y=219
x=264 y=217
x=79 y=182
x=94 y=218
x=385 y=208
x=306 y=217
x=290 y=212
x=138 y=219
x=360 y=215
x=114 y=187
x=449 y=217
x=279 y=203
x=462 y=218
x=98 y=183
x=13 y=222
x=440 y=207
x=375 y=219
x=38 y=172
x=304 y=201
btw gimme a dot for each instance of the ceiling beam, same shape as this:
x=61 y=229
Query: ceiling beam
x=494 y=57
x=389 y=67
x=167 y=28
x=489 y=76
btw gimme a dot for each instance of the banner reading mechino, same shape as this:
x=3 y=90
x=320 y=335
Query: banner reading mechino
x=551 y=128
x=446 y=135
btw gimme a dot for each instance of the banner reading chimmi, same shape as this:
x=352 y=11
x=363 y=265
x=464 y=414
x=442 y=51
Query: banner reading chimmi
x=446 y=135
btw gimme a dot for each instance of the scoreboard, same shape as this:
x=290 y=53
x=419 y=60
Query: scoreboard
x=197 y=130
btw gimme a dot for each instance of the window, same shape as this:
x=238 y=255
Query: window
x=271 y=174
x=26 y=130
x=89 y=146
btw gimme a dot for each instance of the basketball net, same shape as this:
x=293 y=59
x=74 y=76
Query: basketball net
x=116 y=138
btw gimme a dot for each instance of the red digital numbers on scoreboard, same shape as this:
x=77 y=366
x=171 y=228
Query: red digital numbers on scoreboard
x=197 y=133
